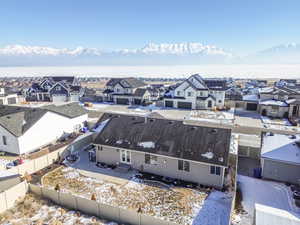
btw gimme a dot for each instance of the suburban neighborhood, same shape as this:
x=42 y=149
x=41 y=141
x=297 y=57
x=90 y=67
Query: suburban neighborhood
x=174 y=152
x=150 y=112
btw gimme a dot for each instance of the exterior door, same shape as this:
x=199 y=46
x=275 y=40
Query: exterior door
x=125 y=156
x=209 y=104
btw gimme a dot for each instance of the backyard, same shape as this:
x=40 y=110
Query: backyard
x=176 y=204
x=34 y=210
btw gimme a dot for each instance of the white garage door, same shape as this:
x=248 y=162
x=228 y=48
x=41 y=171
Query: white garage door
x=74 y=98
x=59 y=98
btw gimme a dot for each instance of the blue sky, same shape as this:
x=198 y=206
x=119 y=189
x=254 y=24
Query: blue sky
x=242 y=26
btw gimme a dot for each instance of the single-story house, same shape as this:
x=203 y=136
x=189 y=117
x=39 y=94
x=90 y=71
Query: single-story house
x=165 y=147
x=280 y=157
x=274 y=108
x=26 y=129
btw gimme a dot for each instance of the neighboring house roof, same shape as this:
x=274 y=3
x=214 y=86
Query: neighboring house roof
x=209 y=96
x=216 y=84
x=130 y=82
x=17 y=120
x=68 y=79
x=274 y=103
x=169 y=138
x=139 y=92
x=250 y=98
x=70 y=110
x=281 y=147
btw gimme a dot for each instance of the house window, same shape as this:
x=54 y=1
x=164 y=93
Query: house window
x=178 y=92
x=118 y=90
x=201 y=93
x=4 y=140
x=216 y=170
x=100 y=148
x=189 y=94
x=150 y=159
x=125 y=156
x=184 y=165
x=220 y=101
x=58 y=88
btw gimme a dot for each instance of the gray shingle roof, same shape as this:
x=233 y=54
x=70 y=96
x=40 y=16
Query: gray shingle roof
x=17 y=120
x=129 y=82
x=70 y=110
x=171 y=138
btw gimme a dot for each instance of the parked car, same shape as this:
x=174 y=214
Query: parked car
x=10 y=165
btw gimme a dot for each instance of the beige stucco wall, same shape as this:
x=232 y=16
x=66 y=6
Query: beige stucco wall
x=166 y=166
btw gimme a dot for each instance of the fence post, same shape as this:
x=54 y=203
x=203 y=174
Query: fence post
x=6 y=205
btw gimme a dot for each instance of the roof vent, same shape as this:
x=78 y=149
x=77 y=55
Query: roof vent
x=151 y=120
x=8 y=117
x=193 y=128
x=213 y=131
x=133 y=118
x=170 y=122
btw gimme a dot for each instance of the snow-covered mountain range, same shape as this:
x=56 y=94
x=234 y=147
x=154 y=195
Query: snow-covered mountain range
x=152 y=53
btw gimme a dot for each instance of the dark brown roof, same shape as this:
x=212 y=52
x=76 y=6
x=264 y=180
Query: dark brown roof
x=171 y=138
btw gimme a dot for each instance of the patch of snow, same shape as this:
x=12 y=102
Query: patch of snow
x=208 y=155
x=101 y=126
x=268 y=193
x=119 y=142
x=215 y=210
x=147 y=144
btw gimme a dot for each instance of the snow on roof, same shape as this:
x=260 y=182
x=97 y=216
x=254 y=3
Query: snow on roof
x=273 y=102
x=252 y=98
x=101 y=126
x=266 y=90
x=147 y=144
x=270 y=212
x=281 y=147
x=208 y=155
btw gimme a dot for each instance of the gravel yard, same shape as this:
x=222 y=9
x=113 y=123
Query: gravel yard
x=34 y=210
x=157 y=199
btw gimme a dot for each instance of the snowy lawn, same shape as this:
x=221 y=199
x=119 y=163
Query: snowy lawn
x=272 y=194
x=282 y=122
x=170 y=203
x=225 y=117
x=34 y=210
